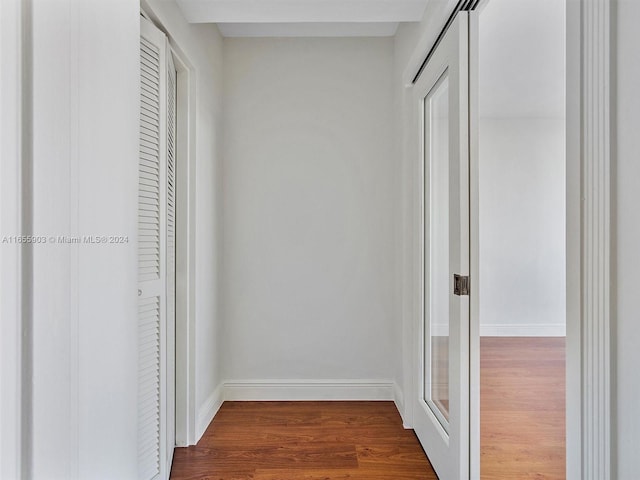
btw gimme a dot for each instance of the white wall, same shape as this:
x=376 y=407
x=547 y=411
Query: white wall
x=522 y=59
x=522 y=226
x=521 y=94
x=626 y=197
x=85 y=142
x=309 y=219
x=202 y=46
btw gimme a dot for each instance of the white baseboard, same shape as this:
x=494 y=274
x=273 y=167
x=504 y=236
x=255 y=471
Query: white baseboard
x=398 y=399
x=296 y=390
x=208 y=410
x=523 y=330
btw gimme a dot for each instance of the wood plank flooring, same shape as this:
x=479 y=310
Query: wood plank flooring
x=304 y=441
x=522 y=429
x=522 y=408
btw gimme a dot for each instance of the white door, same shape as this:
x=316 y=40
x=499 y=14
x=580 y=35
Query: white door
x=156 y=256
x=441 y=408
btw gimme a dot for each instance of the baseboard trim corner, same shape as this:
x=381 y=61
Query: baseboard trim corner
x=208 y=410
x=398 y=399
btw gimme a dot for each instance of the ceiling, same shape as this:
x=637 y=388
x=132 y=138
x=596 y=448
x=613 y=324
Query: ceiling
x=304 y=18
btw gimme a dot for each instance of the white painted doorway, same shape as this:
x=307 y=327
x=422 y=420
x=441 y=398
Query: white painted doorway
x=156 y=255
x=519 y=237
x=441 y=393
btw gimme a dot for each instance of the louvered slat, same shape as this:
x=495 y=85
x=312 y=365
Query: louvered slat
x=171 y=163
x=149 y=169
x=149 y=266
x=149 y=386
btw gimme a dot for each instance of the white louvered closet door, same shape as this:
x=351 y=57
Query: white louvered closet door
x=153 y=367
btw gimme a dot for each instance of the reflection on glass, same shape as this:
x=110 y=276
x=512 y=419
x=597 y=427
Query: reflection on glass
x=437 y=281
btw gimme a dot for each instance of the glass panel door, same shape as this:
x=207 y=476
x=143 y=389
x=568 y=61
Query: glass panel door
x=441 y=408
x=436 y=392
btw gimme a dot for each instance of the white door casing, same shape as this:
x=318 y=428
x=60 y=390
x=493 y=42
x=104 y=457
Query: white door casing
x=441 y=405
x=172 y=153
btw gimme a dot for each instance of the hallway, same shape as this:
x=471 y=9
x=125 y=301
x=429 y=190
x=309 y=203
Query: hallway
x=299 y=214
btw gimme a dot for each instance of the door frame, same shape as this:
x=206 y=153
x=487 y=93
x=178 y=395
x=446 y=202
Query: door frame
x=15 y=218
x=186 y=414
x=589 y=322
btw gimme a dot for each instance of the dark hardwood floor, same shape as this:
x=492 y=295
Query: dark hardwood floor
x=522 y=408
x=304 y=441
x=522 y=429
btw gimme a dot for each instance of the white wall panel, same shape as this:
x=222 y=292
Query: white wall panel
x=309 y=198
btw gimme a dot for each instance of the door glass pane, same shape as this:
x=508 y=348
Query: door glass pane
x=438 y=273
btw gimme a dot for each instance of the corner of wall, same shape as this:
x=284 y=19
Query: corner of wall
x=398 y=399
x=208 y=410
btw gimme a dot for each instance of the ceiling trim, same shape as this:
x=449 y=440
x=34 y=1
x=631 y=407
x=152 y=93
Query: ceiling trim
x=302 y=11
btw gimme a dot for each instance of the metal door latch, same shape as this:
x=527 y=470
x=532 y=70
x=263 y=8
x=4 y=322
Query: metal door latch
x=460 y=285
